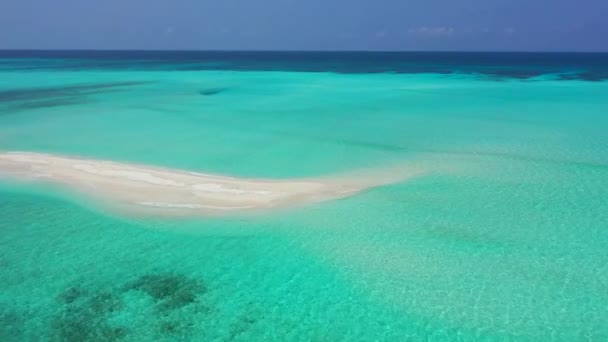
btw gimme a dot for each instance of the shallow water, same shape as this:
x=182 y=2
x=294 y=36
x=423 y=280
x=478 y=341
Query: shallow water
x=504 y=240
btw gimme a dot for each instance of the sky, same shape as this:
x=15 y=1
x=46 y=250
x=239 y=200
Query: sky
x=446 y=25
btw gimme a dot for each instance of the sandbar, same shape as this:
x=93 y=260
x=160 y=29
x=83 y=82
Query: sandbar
x=157 y=191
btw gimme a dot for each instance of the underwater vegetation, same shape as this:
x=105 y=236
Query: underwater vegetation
x=11 y=323
x=212 y=91
x=90 y=314
x=27 y=94
x=84 y=316
x=169 y=291
x=47 y=97
x=68 y=101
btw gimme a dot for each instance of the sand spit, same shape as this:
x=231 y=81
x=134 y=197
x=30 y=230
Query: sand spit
x=155 y=191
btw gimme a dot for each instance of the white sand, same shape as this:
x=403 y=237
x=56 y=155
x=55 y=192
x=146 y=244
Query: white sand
x=148 y=190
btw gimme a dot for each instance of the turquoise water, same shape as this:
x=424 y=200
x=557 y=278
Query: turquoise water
x=505 y=239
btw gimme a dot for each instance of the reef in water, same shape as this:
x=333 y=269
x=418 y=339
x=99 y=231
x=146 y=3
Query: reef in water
x=47 y=97
x=212 y=91
x=170 y=291
x=87 y=314
x=11 y=324
x=70 y=101
x=27 y=94
x=84 y=316
x=244 y=322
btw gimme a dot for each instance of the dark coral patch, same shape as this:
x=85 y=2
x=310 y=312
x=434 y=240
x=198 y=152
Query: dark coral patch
x=30 y=94
x=104 y=302
x=71 y=294
x=87 y=314
x=59 y=102
x=212 y=91
x=11 y=324
x=172 y=291
x=22 y=99
x=175 y=328
x=84 y=316
x=78 y=326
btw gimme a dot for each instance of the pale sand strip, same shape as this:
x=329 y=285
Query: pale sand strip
x=149 y=190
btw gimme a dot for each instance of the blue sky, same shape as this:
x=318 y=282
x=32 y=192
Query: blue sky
x=524 y=25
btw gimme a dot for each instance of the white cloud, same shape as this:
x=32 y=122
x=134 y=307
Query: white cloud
x=437 y=31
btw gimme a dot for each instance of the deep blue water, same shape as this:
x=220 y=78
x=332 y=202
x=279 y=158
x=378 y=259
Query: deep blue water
x=497 y=65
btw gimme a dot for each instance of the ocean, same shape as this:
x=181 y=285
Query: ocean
x=504 y=238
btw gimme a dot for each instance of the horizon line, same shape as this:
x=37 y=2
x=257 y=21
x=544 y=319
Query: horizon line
x=305 y=51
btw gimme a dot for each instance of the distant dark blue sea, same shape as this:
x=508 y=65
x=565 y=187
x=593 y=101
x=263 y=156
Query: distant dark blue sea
x=499 y=65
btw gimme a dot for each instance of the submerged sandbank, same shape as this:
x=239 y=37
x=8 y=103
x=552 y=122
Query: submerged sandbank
x=155 y=191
